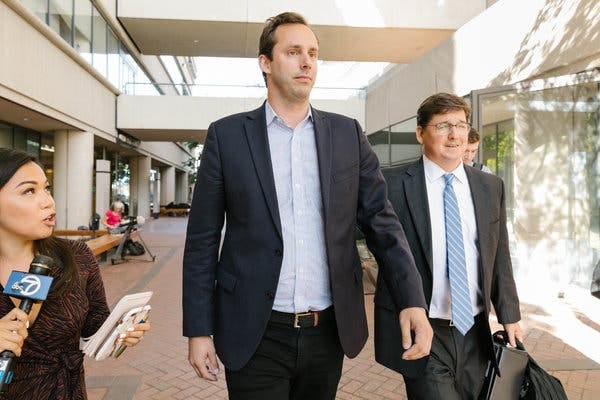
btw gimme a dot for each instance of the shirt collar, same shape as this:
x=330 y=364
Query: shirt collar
x=272 y=116
x=434 y=172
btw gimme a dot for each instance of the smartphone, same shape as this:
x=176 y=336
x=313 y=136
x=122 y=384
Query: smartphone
x=110 y=345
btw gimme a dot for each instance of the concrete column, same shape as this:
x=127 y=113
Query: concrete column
x=181 y=187
x=102 y=186
x=73 y=177
x=167 y=185
x=139 y=186
x=156 y=190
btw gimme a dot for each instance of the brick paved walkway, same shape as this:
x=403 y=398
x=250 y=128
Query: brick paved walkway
x=563 y=335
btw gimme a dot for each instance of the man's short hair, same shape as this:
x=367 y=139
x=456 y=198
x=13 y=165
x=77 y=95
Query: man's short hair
x=473 y=136
x=441 y=103
x=267 y=37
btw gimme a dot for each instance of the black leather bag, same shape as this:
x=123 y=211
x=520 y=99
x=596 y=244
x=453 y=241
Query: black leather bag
x=521 y=378
x=595 y=288
x=512 y=363
x=134 y=248
x=540 y=385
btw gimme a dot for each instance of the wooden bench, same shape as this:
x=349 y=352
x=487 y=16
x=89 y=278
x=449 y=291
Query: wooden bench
x=174 y=212
x=79 y=232
x=104 y=243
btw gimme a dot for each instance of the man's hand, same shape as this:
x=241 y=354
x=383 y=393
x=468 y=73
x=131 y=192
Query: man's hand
x=415 y=319
x=203 y=357
x=514 y=331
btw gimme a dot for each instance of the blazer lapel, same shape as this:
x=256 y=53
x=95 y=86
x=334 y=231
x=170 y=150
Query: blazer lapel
x=323 y=140
x=480 y=200
x=481 y=197
x=258 y=141
x=415 y=191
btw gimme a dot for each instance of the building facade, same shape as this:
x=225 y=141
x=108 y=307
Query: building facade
x=531 y=71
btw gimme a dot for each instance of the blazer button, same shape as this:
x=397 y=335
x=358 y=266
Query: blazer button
x=270 y=295
x=278 y=252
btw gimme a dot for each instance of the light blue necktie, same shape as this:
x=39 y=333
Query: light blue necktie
x=462 y=314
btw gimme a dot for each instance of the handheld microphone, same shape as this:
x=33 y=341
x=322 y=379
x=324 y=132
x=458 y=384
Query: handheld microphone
x=31 y=287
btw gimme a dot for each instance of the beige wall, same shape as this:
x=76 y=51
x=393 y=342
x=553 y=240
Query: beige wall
x=167 y=152
x=512 y=41
x=39 y=75
x=196 y=113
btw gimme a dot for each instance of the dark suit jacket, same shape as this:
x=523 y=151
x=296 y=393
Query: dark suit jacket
x=409 y=198
x=231 y=296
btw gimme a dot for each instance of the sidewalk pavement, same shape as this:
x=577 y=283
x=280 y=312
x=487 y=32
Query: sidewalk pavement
x=562 y=334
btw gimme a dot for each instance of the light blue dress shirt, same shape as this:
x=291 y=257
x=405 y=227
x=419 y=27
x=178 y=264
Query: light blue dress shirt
x=304 y=279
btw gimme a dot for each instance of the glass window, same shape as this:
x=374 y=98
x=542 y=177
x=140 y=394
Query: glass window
x=99 y=51
x=127 y=76
x=113 y=58
x=39 y=7
x=380 y=144
x=47 y=156
x=60 y=18
x=27 y=140
x=497 y=141
x=6 y=136
x=83 y=29
x=403 y=142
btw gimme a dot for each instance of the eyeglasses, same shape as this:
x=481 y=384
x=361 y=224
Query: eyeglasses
x=443 y=128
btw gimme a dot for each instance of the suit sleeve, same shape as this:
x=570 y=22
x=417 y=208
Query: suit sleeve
x=504 y=292
x=384 y=234
x=202 y=242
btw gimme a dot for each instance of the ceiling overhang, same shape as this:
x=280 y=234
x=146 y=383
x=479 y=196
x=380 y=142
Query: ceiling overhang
x=196 y=38
x=22 y=116
x=167 y=135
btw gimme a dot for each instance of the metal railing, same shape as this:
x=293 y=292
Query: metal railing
x=233 y=91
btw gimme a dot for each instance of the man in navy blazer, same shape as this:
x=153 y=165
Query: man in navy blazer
x=455 y=368
x=283 y=300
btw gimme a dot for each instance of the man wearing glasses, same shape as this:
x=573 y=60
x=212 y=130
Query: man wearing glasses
x=456 y=228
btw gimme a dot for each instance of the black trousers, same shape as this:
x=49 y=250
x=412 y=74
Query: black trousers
x=291 y=363
x=456 y=366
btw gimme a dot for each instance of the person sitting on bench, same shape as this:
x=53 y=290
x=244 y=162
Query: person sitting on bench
x=112 y=219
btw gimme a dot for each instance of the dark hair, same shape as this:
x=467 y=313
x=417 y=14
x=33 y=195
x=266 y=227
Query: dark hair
x=441 y=103
x=267 y=37
x=59 y=249
x=473 y=136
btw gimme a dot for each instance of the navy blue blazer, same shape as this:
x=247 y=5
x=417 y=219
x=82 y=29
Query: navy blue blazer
x=231 y=295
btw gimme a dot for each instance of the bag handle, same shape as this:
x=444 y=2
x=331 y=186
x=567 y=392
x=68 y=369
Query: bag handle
x=501 y=337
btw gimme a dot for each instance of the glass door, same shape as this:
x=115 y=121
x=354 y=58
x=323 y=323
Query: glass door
x=542 y=138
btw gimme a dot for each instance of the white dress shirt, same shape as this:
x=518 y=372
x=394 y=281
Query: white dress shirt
x=441 y=306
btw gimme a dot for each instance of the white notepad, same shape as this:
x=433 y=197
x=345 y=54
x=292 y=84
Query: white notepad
x=91 y=345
